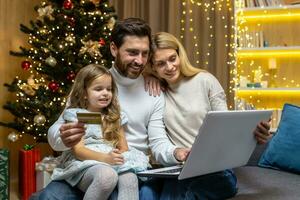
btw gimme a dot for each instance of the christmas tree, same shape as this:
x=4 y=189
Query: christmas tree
x=67 y=35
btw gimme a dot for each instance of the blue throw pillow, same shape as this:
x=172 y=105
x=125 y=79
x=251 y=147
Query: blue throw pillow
x=283 y=151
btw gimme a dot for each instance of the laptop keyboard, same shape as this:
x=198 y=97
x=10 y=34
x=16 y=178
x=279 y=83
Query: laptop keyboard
x=170 y=171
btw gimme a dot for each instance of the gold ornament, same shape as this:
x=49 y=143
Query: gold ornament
x=111 y=23
x=91 y=47
x=70 y=38
x=96 y=2
x=51 y=61
x=39 y=119
x=30 y=87
x=13 y=137
x=46 y=11
x=43 y=31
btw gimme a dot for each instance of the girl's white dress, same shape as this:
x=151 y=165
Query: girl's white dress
x=72 y=170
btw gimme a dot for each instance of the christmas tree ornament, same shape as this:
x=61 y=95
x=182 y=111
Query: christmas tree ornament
x=26 y=65
x=96 y=2
x=27 y=89
x=102 y=42
x=90 y=47
x=43 y=31
x=51 y=61
x=53 y=86
x=71 y=76
x=111 y=23
x=31 y=82
x=71 y=21
x=46 y=12
x=13 y=137
x=46 y=50
x=71 y=38
x=68 y=5
x=39 y=119
x=30 y=87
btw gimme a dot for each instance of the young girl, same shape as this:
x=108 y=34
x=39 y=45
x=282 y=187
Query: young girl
x=104 y=145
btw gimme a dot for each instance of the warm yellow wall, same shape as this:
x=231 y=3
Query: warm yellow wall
x=12 y=13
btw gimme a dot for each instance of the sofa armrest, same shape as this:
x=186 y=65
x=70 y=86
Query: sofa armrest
x=257 y=153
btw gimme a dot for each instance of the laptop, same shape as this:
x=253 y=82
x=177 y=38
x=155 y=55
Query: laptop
x=225 y=140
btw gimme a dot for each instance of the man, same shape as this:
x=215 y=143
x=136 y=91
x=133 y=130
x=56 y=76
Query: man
x=145 y=130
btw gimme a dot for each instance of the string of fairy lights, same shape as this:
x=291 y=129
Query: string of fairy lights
x=209 y=8
x=255 y=65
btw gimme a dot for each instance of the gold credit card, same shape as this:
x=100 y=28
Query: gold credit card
x=90 y=118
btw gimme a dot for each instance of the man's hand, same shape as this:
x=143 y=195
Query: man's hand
x=114 y=157
x=181 y=154
x=71 y=133
x=152 y=85
x=262 y=133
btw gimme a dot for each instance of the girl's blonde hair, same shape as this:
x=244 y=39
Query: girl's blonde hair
x=111 y=114
x=163 y=40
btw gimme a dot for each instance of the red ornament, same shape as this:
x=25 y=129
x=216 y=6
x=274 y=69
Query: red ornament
x=68 y=5
x=26 y=65
x=53 y=86
x=71 y=76
x=71 y=21
x=102 y=42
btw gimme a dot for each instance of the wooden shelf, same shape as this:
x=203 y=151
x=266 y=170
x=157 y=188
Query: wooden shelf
x=268 y=8
x=268 y=13
x=269 y=97
x=290 y=52
x=269 y=92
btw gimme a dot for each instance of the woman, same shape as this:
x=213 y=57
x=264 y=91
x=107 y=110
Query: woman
x=190 y=93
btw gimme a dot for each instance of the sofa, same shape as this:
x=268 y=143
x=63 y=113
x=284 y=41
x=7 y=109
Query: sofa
x=258 y=183
x=255 y=183
x=273 y=170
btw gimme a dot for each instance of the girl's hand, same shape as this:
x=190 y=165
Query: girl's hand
x=115 y=157
x=152 y=85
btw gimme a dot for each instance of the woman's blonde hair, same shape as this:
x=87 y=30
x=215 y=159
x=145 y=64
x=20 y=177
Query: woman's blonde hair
x=163 y=40
x=111 y=114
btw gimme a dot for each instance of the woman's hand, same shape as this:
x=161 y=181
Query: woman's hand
x=152 y=85
x=114 y=157
x=262 y=132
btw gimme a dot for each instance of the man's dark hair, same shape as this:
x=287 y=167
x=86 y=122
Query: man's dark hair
x=130 y=27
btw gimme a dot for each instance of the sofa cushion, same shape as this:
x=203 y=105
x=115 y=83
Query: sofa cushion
x=261 y=183
x=284 y=149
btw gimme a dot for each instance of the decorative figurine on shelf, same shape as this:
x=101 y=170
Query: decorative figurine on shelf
x=243 y=81
x=257 y=76
x=272 y=65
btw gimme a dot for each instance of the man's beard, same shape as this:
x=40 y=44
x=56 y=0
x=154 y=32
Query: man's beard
x=123 y=69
